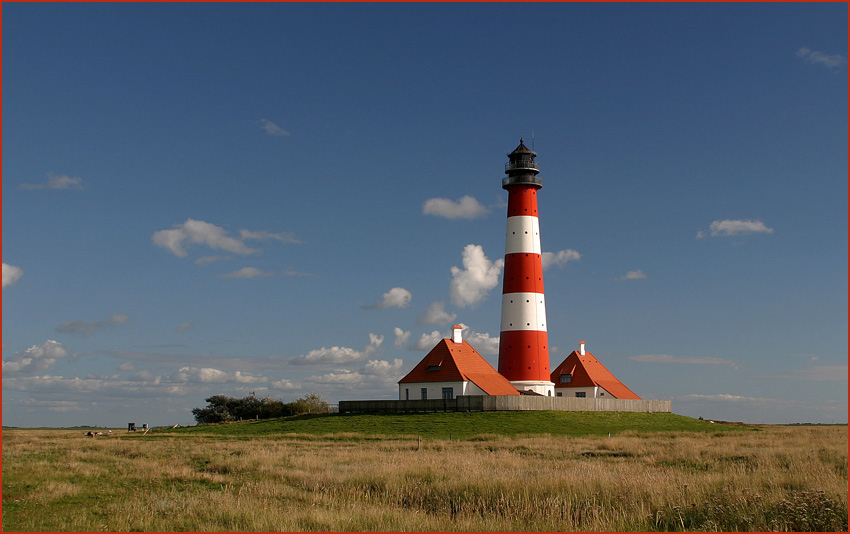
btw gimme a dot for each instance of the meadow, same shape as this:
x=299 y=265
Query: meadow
x=372 y=473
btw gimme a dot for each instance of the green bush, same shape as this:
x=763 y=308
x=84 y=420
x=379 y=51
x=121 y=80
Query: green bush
x=224 y=409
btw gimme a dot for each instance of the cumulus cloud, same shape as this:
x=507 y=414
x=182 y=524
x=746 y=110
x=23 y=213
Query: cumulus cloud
x=732 y=227
x=201 y=233
x=208 y=375
x=480 y=341
x=87 y=329
x=426 y=341
x=11 y=275
x=820 y=58
x=466 y=207
x=479 y=275
x=383 y=367
x=435 y=314
x=397 y=297
x=401 y=337
x=247 y=272
x=340 y=355
x=141 y=384
x=633 y=275
x=558 y=259
x=57 y=181
x=284 y=384
x=375 y=375
x=668 y=358
x=35 y=359
x=272 y=128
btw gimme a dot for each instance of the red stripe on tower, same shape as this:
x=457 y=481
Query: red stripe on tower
x=524 y=346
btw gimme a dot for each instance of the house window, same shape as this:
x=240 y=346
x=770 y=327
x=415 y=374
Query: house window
x=559 y=394
x=601 y=394
x=433 y=368
x=424 y=393
x=566 y=378
x=406 y=394
x=581 y=394
x=448 y=393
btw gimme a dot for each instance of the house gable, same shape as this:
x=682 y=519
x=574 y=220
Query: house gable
x=451 y=362
x=586 y=371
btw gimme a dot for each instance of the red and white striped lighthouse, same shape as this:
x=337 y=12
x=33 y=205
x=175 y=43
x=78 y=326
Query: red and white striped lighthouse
x=523 y=346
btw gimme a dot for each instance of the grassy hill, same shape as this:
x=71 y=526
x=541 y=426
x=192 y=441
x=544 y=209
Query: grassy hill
x=462 y=425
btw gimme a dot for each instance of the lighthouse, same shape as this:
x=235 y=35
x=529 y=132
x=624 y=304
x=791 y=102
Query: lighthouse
x=523 y=346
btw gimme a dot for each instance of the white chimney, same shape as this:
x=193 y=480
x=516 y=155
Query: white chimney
x=456 y=333
x=581 y=347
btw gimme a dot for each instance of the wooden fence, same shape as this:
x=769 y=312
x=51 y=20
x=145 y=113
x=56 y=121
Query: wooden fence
x=496 y=403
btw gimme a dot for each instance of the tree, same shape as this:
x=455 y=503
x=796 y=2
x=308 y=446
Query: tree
x=222 y=409
x=315 y=403
x=216 y=411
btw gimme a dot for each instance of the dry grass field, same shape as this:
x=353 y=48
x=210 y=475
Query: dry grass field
x=772 y=479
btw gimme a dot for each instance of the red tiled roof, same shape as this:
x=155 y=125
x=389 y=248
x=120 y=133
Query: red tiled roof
x=458 y=362
x=587 y=371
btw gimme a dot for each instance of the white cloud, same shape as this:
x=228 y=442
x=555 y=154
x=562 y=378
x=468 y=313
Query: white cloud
x=338 y=355
x=383 y=367
x=11 y=275
x=284 y=384
x=375 y=375
x=202 y=233
x=55 y=181
x=426 y=341
x=466 y=207
x=633 y=275
x=668 y=358
x=558 y=259
x=247 y=272
x=293 y=272
x=283 y=237
x=401 y=337
x=435 y=314
x=87 y=329
x=272 y=128
x=210 y=259
x=35 y=359
x=481 y=342
x=208 y=375
x=821 y=58
x=471 y=284
x=731 y=227
x=397 y=297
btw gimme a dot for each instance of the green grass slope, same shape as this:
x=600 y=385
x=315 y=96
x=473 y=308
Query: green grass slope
x=461 y=425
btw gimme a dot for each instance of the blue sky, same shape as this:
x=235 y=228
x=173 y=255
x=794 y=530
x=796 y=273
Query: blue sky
x=291 y=198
